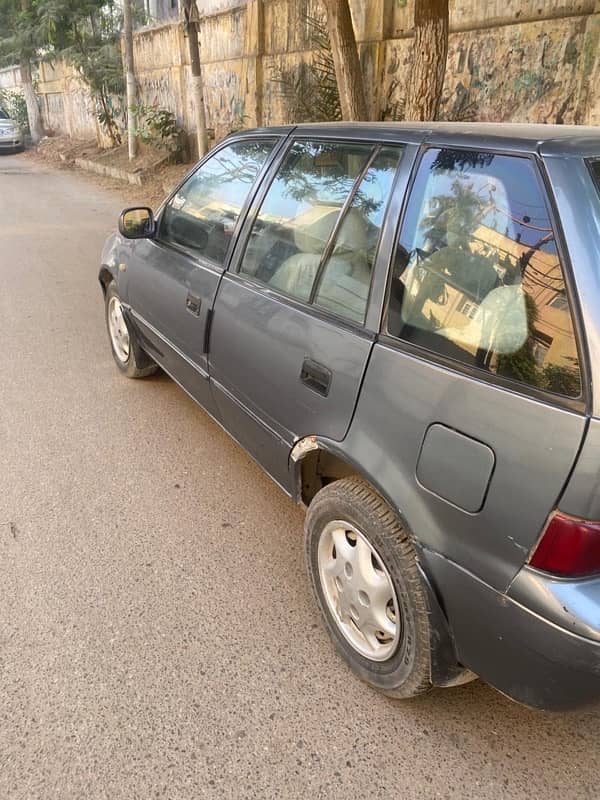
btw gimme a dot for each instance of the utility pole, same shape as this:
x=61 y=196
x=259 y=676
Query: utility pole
x=192 y=20
x=129 y=79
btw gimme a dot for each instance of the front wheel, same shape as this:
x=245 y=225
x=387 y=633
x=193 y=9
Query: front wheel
x=365 y=579
x=128 y=355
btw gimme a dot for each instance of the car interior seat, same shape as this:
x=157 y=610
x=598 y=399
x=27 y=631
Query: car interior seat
x=345 y=283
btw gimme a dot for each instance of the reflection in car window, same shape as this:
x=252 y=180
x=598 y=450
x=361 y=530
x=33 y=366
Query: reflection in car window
x=299 y=212
x=201 y=216
x=340 y=290
x=293 y=230
x=478 y=278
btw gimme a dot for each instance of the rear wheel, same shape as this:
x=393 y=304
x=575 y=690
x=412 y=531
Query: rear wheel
x=365 y=579
x=128 y=355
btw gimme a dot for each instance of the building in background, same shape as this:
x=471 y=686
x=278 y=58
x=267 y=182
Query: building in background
x=161 y=10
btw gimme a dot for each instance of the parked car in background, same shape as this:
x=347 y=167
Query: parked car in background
x=11 y=135
x=401 y=324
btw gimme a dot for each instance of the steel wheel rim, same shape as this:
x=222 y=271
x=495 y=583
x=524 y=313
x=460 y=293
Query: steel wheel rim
x=359 y=591
x=117 y=328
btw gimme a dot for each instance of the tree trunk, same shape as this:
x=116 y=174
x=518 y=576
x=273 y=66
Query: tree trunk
x=429 y=65
x=129 y=79
x=33 y=110
x=346 y=61
x=192 y=19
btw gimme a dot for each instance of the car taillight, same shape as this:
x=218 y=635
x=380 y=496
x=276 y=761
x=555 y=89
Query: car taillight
x=569 y=547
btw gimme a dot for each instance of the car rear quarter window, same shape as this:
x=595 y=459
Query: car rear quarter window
x=202 y=214
x=477 y=277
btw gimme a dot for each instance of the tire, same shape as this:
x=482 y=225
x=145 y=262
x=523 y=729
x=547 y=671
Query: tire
x=395 y=660
x=128 y=355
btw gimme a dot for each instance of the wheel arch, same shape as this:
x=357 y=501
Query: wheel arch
x=314 y=462
x=105 y=276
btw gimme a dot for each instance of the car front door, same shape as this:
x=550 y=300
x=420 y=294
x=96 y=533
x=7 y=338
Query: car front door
x=171 y=280
x=288 y=343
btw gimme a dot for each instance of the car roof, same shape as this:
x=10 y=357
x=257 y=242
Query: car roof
x=577 y=140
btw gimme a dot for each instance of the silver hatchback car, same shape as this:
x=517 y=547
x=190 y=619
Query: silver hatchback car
x=401 y=324
x=11 y=135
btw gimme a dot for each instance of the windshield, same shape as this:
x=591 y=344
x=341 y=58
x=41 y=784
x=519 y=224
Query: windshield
x=3 y=114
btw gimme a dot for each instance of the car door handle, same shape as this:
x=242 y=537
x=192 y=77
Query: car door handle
x=193 y=304
x=316 y=376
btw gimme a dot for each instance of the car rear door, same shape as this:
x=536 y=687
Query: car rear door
x=289 y=344
x=171 y=280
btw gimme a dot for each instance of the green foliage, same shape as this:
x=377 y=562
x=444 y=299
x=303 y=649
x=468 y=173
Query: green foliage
x=521 y=365
x=157 y=127
x=561 y=379
x=111 y=114
x=86 y=33
x=20 y=36
x=14 y=105
x=311 y=89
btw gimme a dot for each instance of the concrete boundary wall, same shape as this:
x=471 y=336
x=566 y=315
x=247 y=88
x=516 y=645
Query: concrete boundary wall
x=508 y=60
x=10 y=78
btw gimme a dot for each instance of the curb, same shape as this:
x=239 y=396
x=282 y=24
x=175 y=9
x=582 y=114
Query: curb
x=135 y=177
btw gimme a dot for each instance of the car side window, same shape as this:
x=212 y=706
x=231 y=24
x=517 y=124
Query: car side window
x=202 y=215
x=345 y=277
x=477 y=275
x=292 y=246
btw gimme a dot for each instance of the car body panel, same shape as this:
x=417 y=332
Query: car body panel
x=571 y=604
x=518 y=650
x=582 y=495
x=402 y=396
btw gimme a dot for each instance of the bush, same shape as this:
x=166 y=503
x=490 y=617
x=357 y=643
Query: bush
x=158 y=127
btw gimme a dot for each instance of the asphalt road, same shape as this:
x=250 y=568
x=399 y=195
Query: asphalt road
x=157 y=635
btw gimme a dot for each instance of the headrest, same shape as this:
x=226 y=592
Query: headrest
x=312 y=233
x=314 y=229
x=352 y=236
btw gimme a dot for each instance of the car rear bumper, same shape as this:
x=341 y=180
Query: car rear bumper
x=519 y=650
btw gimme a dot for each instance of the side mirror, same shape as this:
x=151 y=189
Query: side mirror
x=137 y=223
